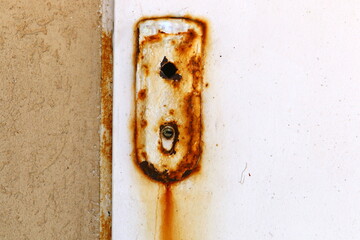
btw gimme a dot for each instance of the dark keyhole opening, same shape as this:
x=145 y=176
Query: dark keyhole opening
x=168 y=132
x=169 y=135
x=168 y=70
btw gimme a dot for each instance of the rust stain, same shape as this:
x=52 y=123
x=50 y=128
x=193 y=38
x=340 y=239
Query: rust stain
x=143 y=123
x=144 y=154
x=185 y=46
x=193 y=131
x=154 y=38
x=105 y=224
x=189 y=66
x=142 y=94
x=106 y=139
x=191 y=103
x=167 y=232
x=146 y=69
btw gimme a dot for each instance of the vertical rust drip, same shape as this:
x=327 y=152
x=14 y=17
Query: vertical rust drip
x=106 y=136
x=167 y=224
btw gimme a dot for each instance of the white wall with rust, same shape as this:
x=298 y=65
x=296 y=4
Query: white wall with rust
x=282 y=124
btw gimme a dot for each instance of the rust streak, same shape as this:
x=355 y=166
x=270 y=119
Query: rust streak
x=106 y=139
x=168 y=215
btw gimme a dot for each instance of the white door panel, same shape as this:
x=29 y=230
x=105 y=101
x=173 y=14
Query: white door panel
x=281 y=116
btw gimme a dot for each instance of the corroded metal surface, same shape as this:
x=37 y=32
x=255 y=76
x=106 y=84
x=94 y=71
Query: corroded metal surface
x=106 y=137
x=107 y=23
x=169 y=76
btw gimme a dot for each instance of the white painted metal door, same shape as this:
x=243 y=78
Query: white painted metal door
x=281 y=125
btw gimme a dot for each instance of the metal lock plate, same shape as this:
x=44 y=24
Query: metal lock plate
x=169 y=76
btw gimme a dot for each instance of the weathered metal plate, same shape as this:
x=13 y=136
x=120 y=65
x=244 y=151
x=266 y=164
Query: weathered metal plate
x=169 y=67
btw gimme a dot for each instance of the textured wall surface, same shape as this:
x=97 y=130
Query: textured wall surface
x=49 y=119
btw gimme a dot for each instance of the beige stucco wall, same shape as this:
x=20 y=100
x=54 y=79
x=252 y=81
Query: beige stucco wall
x=49 y=119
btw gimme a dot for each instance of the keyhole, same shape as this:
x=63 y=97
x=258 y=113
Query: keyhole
x=168 y=132
x=169 y=136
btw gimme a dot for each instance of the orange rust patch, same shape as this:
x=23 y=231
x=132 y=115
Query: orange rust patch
x=106 y=80
x=203 y=23
x=143 y=123
x=195 y=67
x=142 y=94
x=105 y=222
x=106 y=139
x=187 y=42
x=154 y=38
x=172 y=111
x=168 y=215
x=194 y=130
x=146 y=69
x=144 y=155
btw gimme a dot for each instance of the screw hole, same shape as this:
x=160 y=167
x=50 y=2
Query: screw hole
x=168 y=70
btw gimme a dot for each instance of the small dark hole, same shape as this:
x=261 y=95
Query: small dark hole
x=168 y=70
